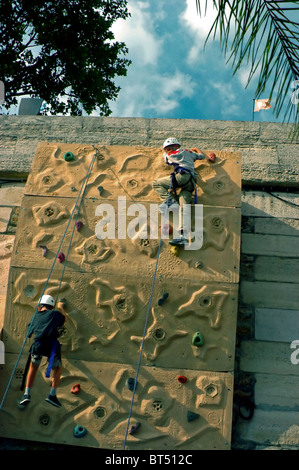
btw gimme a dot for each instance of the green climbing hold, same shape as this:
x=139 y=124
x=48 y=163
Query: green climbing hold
x=69 y=157
x=79 y=431
x=197 y=339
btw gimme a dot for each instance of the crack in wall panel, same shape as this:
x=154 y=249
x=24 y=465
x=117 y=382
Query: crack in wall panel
x=161 y=405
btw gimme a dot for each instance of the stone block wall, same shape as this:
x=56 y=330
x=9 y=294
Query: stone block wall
x=268 y=298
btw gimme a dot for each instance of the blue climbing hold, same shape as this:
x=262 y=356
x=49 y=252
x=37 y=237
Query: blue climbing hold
x=191 y=416
x=79 y=431
x=100 y=189
x=134 y=428
x=130 y=384
x=163 y=298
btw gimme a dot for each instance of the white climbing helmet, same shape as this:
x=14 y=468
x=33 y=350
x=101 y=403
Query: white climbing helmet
x=171 y=141
x=47 y=300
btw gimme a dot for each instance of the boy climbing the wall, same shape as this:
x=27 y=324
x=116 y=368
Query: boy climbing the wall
x=184 y=177
x=45 y=329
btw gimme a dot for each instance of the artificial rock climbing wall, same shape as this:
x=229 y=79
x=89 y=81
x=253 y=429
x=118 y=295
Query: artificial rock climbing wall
x=178 y=332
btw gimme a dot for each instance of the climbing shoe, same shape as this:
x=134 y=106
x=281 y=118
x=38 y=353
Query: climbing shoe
x=25 y=400
x=179 y=241
x=53 y=400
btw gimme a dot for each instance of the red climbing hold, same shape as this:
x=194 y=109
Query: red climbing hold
x=167 y=229
x=61 y=257
x=182 y=379
x=75 y=389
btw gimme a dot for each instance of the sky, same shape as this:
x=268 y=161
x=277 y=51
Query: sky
x=173 y=75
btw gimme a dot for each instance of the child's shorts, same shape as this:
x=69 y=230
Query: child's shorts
x=36 y=359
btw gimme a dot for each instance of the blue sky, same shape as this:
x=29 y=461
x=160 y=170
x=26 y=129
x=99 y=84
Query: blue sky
x=172 y=75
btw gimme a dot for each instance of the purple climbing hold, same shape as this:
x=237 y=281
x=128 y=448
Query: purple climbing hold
x=61 y=257
x=44 y=250
x=79 y=225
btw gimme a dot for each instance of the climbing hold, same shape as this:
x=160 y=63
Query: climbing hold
x=44 y=250
x=167 y=229
x=191 y=416
x=182 y=379
x=61 y=257
x=199 y=264
x=69 y=157
x=175 y=250
x=100 y=189
x=134 y=428
x=63 y=301
x=197 y=339
x=79 y=431
x=44 y=420
x=75 y=389
x=79 y=225
x=163 y=298
x=130 y=383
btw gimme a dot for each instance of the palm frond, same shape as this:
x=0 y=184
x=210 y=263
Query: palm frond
x=262 y=34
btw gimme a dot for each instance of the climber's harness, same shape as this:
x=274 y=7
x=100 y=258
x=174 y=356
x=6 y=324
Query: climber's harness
x=180 y=170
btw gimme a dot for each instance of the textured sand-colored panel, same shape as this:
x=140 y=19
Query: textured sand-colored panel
x=161 y=405
x=44 y=221
x=107 y=281
x=108 y=315
x=127 y=171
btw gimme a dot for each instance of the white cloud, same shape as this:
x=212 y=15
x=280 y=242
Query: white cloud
x=198 y=26
x=152 y=93
x=138 y=33
x=228 y=101
x=146 y=90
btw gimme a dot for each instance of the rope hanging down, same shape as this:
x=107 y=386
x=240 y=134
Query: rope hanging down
x=146 y=319
x=80 y=195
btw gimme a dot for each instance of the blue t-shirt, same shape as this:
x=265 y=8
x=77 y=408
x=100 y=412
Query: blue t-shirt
x=45 y=325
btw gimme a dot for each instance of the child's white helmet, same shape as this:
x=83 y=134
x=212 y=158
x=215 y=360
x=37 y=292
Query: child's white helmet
x=47 y=300
x=171 y=141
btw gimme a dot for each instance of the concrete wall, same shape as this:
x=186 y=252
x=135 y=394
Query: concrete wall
x=268 y=316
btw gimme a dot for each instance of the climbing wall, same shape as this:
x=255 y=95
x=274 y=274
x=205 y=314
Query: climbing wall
x=183 y=397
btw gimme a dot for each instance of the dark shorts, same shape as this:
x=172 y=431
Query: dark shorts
x=38 y=351
x=36 y=359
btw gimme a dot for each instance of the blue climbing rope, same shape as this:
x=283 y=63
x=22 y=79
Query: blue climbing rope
x=82 y=190
x=146 y=319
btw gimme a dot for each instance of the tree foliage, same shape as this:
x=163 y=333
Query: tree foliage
x=62 y=51
x=264 y=34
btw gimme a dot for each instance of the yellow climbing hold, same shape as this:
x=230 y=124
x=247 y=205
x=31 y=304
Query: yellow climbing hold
x=175 y=250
